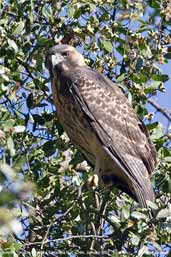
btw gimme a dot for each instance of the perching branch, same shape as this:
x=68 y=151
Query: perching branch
x=67 y=238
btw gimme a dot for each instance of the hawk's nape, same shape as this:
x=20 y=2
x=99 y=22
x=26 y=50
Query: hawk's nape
x=99 y=120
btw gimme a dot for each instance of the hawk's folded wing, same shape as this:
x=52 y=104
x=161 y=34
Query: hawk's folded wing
x=123 y=136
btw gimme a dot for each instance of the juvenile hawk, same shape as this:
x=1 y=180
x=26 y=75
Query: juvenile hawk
x=99 y=120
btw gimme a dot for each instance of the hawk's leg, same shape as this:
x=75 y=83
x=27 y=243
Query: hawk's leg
x=93 y=181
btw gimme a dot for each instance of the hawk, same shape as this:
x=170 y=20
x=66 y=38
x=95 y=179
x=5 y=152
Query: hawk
x=99 y=120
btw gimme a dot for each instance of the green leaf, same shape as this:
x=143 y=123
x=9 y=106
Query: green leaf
x=154 y=4
x=115 y=220
x=7 y=171
x=92 y=7
x=108 y=46
x=125 y=212
x=139 y=63
x=71 y=10
x=162 y=77
x=19 y=28
x=8 y=124
x=164 y=213
x=121 y=77
x=6 y=78
x=167 y=56
x=166 y=152
x=38 y=119
x=10 y=145
x=19 y=162
x=153 y=125
x=152 y=205
x=135 y=239
x=19 y=129
x=155 y=84
x=158 y=132
x=49 y=148
x=33 y=252
x=17 y=246
x=138 y=215
x=147 y=51
x=139 y=78
x=12 y=44
x=29 y=100
x=77 y=14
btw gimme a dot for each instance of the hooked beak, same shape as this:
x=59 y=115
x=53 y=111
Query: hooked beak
x=56 y=59
x=52 y=60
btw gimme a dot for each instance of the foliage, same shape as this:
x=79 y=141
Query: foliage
x=41 y=172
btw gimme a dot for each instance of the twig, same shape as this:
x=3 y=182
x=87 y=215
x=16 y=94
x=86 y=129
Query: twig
x=101 y=220
x=45 y=237
x=64 y=214
x=102 y=213
x=97 y=204
x=166 y=113
x=94 y=230
x=25 y=65
x=67 y=238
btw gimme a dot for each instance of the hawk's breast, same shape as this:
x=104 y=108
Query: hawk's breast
x=74 y=122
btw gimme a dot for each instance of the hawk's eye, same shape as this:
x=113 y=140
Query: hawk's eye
x=65 y=54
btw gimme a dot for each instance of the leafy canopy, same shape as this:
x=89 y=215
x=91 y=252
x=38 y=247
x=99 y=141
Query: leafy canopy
x=42 y=212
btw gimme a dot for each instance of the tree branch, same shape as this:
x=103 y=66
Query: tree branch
x=67 y=238
x=100 y=219
x=165 y=112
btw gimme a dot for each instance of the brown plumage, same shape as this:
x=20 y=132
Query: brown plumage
x=101 y=123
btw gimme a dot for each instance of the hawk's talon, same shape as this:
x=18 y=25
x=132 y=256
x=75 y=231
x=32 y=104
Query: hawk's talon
x=93 y=182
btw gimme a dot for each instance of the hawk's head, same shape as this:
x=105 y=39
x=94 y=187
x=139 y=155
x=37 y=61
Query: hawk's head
x=63 y=57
